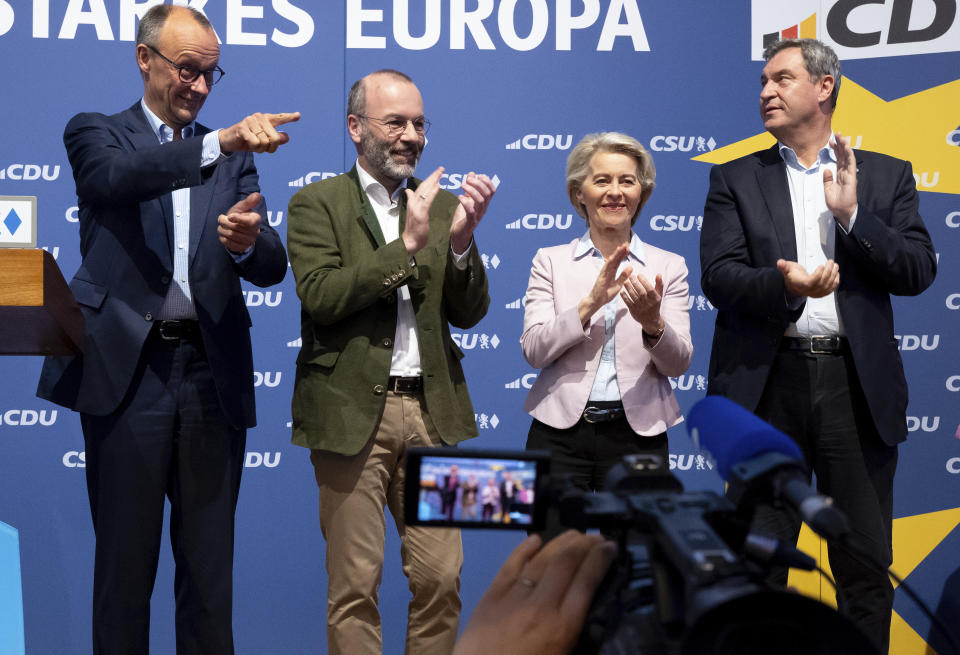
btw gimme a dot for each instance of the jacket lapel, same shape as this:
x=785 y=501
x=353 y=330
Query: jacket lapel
x=366 y=217
x=141 y=136
x=200 y=197
x=772 y=180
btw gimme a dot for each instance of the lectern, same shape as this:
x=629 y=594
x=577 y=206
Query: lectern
x=38 y=314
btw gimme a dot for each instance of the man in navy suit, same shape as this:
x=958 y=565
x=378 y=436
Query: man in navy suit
x=802 y=246
x=170 y=221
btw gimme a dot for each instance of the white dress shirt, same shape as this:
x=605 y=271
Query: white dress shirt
x=814 y=229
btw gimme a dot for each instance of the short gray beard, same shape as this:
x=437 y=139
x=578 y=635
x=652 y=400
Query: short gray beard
x=377 y=154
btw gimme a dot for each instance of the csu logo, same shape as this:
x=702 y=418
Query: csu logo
x=953 y=465
x=75 y=459
x=672 y=223
x=30 y=172
x=542 y=222
x=688 y=383
x=682 y=143
x=260 y=298
x=953 y=383
x=914 y=342
x=525 y=382
x=687 y=462
x=953 y=218
x=28 y=417
x=455 y=180
x=266 y=379
x=953 y=301
x=470 y=340
x=486 y=421
x=542 y=142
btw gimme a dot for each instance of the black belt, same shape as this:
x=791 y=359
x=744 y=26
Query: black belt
x=178 y=330
x=601 y=414
x=408 y=385
x=816 y=345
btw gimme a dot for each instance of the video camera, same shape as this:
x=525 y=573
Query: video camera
x=688 y=578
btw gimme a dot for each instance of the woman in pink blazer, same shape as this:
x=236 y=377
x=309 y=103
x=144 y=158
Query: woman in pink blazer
x=606 y=320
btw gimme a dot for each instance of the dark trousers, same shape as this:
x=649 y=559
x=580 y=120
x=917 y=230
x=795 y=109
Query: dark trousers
x=817 y=400
x=586 y=452
x=169 y=438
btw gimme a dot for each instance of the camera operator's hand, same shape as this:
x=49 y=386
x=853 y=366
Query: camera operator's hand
x=537 y=602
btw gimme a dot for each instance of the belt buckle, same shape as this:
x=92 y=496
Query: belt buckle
x=594 y=415
x=162 y=328
x=824 y=345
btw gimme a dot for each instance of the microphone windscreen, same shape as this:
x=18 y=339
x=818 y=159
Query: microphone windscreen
x=732 y=435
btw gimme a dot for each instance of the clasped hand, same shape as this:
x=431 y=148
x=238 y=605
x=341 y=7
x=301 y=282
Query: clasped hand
x=640 y=296
x=477 y=193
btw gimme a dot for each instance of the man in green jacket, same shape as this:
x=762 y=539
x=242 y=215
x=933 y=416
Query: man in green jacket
x=384 y=264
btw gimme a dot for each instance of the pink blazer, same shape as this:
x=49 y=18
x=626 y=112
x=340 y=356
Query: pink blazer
x=554 y=341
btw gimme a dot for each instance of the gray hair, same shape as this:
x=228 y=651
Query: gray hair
x=148 y=32
x=578 y=166
x=357 y=98
x=818 y=58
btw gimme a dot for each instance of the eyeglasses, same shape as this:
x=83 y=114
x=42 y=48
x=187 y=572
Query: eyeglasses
x=189 y=74
x=397 y=126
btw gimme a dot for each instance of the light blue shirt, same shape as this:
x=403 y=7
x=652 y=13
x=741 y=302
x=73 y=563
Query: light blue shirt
x=178 y=303
x=605 y=385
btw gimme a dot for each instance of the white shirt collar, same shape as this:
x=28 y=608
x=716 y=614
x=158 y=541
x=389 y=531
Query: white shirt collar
x=374 y=189
x=585 y=246
x=824 y=156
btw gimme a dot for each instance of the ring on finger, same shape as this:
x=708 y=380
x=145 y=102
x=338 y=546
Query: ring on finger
x=526 y=582
x=422 y=196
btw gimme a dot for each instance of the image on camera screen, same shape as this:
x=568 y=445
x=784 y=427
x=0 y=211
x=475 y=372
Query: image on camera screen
x=483 y=491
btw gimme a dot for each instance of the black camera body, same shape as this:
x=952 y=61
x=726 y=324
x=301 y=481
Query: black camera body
x=687 y=580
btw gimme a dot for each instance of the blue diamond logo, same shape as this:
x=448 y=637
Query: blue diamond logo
x=12 y=221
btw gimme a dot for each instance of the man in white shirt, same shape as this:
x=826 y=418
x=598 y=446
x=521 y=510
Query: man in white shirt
x=384 y=264
x=801 y=247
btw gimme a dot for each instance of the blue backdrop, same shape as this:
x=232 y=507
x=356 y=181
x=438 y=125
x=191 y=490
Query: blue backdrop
x=509 y=86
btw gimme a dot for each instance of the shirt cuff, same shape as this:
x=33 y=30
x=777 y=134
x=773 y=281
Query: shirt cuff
x=237 y=258
x=460 y=261
x=851 y=221
x=211 y=153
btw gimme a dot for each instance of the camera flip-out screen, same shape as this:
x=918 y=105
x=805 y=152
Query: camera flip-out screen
x=475 y=489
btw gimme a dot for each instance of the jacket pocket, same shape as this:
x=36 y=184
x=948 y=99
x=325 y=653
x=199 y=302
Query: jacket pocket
x=87 y=293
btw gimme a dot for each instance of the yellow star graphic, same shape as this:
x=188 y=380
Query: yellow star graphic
x=914 y=538
x=920 y=127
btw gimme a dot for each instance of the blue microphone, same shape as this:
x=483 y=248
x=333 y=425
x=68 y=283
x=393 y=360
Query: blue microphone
x=756 y=459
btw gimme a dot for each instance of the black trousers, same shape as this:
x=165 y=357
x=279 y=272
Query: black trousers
x=169 y=438
x=817 y=400
x=586 y=452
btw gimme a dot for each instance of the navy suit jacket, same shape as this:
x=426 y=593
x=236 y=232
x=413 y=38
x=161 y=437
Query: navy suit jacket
x=748 y=225
x=124 y=178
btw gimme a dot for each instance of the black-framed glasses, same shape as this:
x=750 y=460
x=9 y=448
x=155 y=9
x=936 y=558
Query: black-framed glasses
x=189 y=74
x=397 y=126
